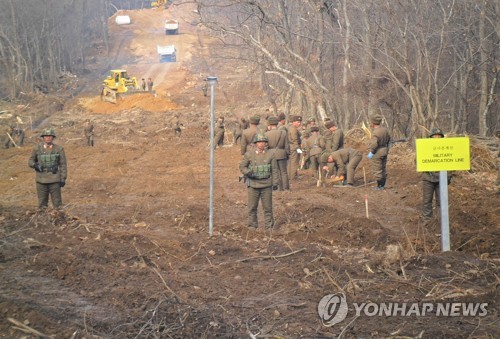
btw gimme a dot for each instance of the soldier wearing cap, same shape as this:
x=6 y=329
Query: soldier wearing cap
x=219 y=133
x=294 y=140
x=282 y=122
x=260 y=169
x=249 y=134
x=379 y=149
x=430 y=184
x=313 y=147
x=278 y=143
x=240 y=127
x=346 y=160
x=49 y=162
x=88 y=130
x=334 y=137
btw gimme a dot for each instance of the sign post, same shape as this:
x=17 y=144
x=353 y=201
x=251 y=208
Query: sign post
x=211 y=81
x=443 y=154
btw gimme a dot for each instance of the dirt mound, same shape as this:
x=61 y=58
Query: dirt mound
x=144 y=101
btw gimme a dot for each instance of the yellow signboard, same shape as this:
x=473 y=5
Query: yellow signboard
x=443 y=154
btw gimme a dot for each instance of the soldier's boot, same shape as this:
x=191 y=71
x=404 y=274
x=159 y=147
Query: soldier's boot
x=380 y=185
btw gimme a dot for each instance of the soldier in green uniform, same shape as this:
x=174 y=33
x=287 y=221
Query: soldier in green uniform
x=219 y=133
x=248 y=134
x=278 y=143
x=346 y=159
x=295 y=141
x=260 y=169
x=430 y=184
x=49 y=162
x=88 y=130
x=379 y=149
x=313 y=146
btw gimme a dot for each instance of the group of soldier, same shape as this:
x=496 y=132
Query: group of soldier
x=273 y=155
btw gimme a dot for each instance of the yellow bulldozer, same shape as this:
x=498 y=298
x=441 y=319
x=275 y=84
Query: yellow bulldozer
x=118 y=82
x=158 y=3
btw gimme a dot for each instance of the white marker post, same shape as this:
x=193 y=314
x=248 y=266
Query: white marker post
x=211 y=81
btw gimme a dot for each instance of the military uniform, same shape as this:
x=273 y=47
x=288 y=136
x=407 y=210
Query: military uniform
x=88 y=130
x=240 y=127
x=347 y=160
x=295 y=141
x=49 y=162
x=261 y=172
x=278 y=143
x=219 y=133
x=248 y=135
x=379 y=149
x=313 y=147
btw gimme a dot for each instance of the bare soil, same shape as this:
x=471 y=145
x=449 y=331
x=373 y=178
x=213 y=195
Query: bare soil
x=130 y=255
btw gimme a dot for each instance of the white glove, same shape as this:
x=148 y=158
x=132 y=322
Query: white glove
x=299 y=151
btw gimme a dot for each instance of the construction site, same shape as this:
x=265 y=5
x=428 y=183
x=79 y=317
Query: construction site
x=130 y=255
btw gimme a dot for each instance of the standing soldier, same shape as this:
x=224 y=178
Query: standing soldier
x=261 y=176
x=219 y=133
x=278 y=142
x=313 y=147
x=177 y=126
x=240 y=127
x=88 y=130
x=143 y=84
x=150 y=84
x=249 y=134
x=295 y=150
x=334 y=139
x=379 y=149
x=282 y=124
x=49 y=162
x=430 y=184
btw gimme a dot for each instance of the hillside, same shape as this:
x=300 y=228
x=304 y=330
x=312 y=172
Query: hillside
x=130 y=256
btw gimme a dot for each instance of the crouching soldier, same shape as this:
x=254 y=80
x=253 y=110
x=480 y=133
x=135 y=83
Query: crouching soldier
x=49 y=162
x=260 y=169
x=346 y=160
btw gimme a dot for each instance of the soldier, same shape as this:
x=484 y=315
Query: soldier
x=219 y=133
x=313 y=146
x=150 y=84
x=88 y=130
x=379 y=149
x=249 y=134
x=143 y=84
x=19 y=133
x=9 y=137
x=177 y=127
x=334 y=139
x=294 y=140
x=49 y=162
x=278 y=142
x=240 y=127
x=282 y=124
x=430 y=184
x=346 y=159
x=261 y=176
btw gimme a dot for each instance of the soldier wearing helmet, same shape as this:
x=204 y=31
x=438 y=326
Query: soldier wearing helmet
x=88 y=130
x=49 y=162
x=260 y=169
x=430 y=184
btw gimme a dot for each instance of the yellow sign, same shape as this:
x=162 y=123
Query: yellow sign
x=443 y=154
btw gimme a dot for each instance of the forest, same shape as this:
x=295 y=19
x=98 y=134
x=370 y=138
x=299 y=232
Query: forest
x=418 y=63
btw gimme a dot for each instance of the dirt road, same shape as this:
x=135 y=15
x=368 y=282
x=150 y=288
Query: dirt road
x=130 y=256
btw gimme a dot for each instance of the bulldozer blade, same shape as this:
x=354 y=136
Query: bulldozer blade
x=108 y=95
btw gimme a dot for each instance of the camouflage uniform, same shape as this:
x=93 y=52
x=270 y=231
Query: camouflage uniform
x=278 y=143
x=294 y=140
x=379 y=149
x=261 y=172
x=49 y=162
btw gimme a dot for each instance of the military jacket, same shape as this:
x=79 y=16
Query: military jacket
x=260 y=168
x=314 y=145
x=294 y=138
x=342 y=158
x=278 y=142
x=53 y=162
x=380 y=141
x=335 y=140
x=247 y=138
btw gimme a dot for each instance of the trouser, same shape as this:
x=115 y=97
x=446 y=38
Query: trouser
x=237 y=137
x=266 y=196
x=219 y=139
x=379 y=165
x=44 y=190
x=429 y=190
x=90 y=140
x=293 y=165
x=351 y=167
x=314 y=163
x=284 y=182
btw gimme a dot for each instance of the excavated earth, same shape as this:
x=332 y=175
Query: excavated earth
x=130 y=254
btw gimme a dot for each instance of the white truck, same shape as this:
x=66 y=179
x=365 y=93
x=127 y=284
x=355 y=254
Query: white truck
x=167 y=53
x=171 y=26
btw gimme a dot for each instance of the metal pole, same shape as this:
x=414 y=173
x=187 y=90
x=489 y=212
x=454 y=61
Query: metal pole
x=211 y=80
x=445 y=221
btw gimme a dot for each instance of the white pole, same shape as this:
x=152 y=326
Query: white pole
x=445 y=221
x=211 y=80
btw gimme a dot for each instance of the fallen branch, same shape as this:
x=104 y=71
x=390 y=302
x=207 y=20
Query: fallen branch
x=272 y=256
x=26 y=329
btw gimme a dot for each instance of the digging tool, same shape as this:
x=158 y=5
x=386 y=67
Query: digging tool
x=318 y=182
x=8 y=134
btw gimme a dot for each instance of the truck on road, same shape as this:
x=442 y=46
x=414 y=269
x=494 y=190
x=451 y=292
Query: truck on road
x=167 y=53
x=171 y=26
